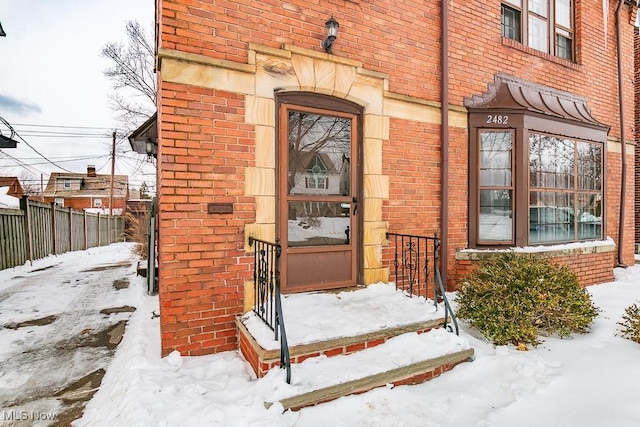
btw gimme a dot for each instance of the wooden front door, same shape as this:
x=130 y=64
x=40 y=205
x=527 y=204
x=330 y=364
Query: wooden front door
x=318 y=196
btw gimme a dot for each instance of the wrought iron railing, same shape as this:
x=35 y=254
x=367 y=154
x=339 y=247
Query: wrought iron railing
x=267 y=302
x=416 y=270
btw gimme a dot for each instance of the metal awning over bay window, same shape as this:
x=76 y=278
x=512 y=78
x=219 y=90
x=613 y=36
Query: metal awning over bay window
x=537 y=158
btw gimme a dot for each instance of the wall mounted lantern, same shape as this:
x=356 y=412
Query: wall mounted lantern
x=332 y=33
x=151 y=148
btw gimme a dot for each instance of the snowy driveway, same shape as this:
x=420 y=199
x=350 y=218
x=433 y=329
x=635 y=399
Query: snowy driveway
x=590 y=380
x=59 y=328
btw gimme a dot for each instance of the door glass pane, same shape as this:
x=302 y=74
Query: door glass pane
x=563 y=13
x=317 y=223
x=551 y=217
x=538 y=33
x=319 y=154
x=551 y=162
x=496 y=217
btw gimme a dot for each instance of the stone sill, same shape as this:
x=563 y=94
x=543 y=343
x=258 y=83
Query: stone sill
x=554 y=251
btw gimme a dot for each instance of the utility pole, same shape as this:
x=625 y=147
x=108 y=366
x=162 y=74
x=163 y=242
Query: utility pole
x=113 y=171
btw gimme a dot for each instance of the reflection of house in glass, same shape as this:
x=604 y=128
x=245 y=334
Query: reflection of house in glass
x=320 y=176
x=320 y=222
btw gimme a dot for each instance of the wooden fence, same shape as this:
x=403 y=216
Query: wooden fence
x=37 y=230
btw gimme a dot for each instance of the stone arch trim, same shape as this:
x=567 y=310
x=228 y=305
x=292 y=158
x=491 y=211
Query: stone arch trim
x=300 y=71
x=290 y=68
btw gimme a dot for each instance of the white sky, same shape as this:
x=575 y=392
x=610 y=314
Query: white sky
x=51 y=73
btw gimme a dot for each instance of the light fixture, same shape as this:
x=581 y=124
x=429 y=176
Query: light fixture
x=150 y=148
x=332 y=33
x=2 y=33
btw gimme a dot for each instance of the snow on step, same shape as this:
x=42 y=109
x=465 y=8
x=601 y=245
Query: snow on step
x=404 y=350
x=313 y=317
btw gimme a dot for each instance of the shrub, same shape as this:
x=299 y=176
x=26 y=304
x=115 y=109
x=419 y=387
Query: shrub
x=631 y=323
x=136 y=231
x=516 y=298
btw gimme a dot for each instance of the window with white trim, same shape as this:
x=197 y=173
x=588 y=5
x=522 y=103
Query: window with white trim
x=544 y=25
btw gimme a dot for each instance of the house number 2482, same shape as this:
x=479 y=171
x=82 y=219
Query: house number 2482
x=497 y=119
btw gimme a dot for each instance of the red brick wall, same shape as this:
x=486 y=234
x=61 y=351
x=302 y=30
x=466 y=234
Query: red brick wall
x=478 y=53
x=401 y=38
x=396 y=37
x=413 y=164
x=591 y=268
x=205 y=147
x=636 y=97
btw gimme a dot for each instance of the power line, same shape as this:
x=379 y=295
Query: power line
x=54 y=132
x=68 y=161
x=40 y=154
x=20 y=163
x=38 y=134
x=65 y=127
x=60 y=158
x=105 y=164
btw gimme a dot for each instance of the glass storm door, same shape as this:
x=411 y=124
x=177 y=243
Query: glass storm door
x=317 y=198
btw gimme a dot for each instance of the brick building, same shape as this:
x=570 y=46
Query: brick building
x=636 y=44
x=87 y=191
x=14 y=187
x=469 y=121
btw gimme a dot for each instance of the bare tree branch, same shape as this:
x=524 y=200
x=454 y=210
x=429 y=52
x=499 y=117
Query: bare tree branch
x=133 y=76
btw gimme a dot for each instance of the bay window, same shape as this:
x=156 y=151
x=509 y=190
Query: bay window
x=565 y=189
x=536 y=174
x=563 y=192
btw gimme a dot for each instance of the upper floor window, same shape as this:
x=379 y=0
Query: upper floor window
x=66 y=183
x=544 y=25
x=97 y=203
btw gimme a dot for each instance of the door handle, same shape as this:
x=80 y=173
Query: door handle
x=355 y=204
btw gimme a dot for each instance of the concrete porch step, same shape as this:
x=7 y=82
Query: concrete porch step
x=262 y=360
x=332 y=324
x=410 y=358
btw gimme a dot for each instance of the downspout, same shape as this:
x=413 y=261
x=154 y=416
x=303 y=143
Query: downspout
x=444 y=109
x=623 y=184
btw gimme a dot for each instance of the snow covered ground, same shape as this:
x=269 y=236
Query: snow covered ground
x=7 y=201
x=588 y=381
